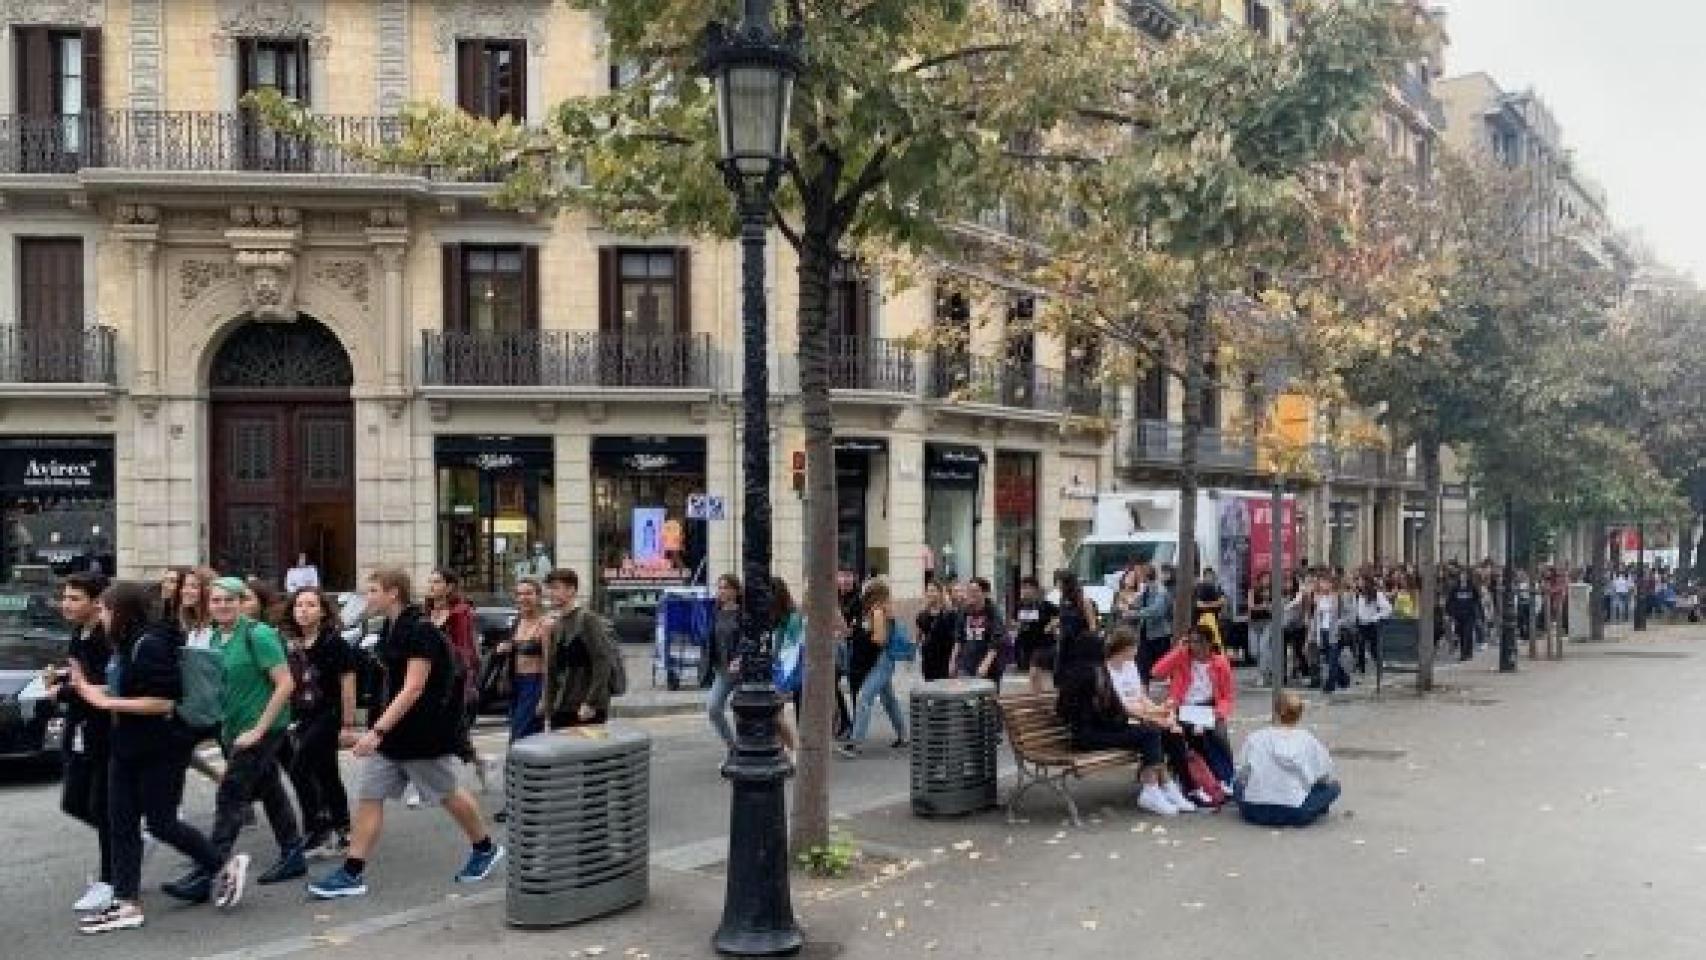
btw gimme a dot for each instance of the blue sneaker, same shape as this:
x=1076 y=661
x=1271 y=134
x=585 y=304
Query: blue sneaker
x=338 y=884
x=479 y=865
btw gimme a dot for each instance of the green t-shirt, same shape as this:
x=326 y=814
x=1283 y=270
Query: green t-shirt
x=247 y=686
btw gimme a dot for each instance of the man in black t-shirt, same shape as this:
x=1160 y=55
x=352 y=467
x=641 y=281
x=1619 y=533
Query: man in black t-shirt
x=1039 y=639
x=411 y=739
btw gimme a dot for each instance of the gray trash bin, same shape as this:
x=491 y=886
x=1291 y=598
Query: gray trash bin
x=579 y=804
x=954 y=733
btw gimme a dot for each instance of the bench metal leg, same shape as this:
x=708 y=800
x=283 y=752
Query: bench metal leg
x=1028 y=776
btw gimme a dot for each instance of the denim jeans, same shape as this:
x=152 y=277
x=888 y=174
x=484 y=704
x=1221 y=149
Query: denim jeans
x=878 y=683
x=1314 y=807
x=1262 y=634
x=1333 y=675
x=717 y=705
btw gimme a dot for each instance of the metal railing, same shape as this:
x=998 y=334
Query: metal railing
x=1024 y=386
x=1163 y=442
x=1420 y=96
x=566 y=358
x=86 y=355
x=864 y=363
x=197 y=141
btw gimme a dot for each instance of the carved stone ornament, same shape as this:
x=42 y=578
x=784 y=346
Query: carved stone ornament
x=271 y=291
x=492 y=20
x=196 y=276
x=350 y=276
x=86 y=13
x=276 y=18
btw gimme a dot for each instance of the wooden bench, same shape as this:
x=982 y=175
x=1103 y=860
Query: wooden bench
x=1043 y=754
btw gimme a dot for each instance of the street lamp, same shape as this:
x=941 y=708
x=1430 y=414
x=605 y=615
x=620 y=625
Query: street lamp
x=753 y=68
x=1274 y=378
x=1507 y=623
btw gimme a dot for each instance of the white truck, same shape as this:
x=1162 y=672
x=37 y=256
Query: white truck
x=1143 y=526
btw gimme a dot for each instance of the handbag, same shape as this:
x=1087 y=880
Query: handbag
x=901 y=647
x=1203 y=778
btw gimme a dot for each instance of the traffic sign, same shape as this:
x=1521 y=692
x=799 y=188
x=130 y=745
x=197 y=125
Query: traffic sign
x=706 y=506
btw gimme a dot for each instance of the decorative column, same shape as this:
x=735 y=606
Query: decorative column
x=388 y=231
x=139 y=226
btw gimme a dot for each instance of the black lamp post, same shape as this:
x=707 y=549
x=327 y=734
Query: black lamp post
x=1507 y=622
x=753 y=68
x=1639 y=616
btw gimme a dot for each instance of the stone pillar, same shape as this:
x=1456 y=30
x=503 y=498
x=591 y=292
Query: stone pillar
x=139 y=226
x=389 y=233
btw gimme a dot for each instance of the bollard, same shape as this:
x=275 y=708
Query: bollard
x=579 y=804
x=955 y=728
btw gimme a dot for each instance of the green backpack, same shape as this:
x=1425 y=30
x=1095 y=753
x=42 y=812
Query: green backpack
x=201 y=670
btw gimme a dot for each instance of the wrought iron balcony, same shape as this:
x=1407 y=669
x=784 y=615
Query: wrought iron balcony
x=972 y=379
x=84 y=356
x=1162 y=443
x=1419 y=96
x=196 y=141
x=1157 y=18
x=567 y=359
x=863 y=363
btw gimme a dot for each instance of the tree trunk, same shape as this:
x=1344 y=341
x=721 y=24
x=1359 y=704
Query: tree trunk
x=1596 y=581
x=1196 y=345
x=1700 y=548
x=817 y=719
x=1427 y=605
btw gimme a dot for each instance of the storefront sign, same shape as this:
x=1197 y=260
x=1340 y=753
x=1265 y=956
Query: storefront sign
x=865 y=445
x=632 y=576
x=59 y=471
x=952 y=465
x=493 y=454
x=650 y=454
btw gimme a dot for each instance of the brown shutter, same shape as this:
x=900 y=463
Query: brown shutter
x=245 y=65
x=609 y=291
x=304 y=71
x=33 y=49
x=518 y=78
x=50 y=284
x=455 y=318
x=91 y=69
x=683 y=290
x=863 y=291
x=530 y=287
x=468 y=76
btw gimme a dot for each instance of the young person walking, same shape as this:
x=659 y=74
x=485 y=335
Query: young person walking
x=411 y=739
x=323 y=705
x=150 y=751
x=454 y=617
x=723 y=655
x=578 y=690
x=868 y=649
x=87 y=740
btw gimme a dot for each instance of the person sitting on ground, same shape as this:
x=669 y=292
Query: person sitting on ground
x=1285 y=775
x=1199 y=680
x=1091 y=708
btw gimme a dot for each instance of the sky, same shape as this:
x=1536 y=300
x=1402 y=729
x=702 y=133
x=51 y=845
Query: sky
x=1622 y=77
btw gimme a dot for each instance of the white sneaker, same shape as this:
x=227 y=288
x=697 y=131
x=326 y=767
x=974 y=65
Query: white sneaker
x=1176 y=797
x=483 y=773
x=1152 y=799
x=230 y=882
x=98 y=897
x=411 y=797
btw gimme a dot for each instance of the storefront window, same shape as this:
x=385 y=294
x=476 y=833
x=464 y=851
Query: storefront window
x=56 y=495
x=643 y=541
x=952 y=481
x=857 y=460
x=1015 y=524
x=497 y=511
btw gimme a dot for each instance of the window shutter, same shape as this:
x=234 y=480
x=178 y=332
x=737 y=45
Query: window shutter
x=609 y=291
x=303 y=71
x=91 y=69
x=518 y=77
x=33 y=51
x=468 y=76
x=245 y=65
x=455 y=317
x=863 y=292
x=530 y=287
x=683 y=291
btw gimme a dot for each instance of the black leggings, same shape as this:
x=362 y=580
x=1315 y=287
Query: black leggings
x=148 y=787
x=1145 y=740
x=311 y=757
x=84 y=792
x=254 y=774
x=1368 y=641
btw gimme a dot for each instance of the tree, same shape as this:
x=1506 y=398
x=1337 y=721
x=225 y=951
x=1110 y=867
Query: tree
x=905 y=111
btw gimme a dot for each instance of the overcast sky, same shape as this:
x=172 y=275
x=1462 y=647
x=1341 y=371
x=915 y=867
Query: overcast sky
x=1623 y=78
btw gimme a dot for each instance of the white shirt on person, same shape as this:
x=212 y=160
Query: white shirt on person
x=1128 y=683
x=1278 y=766
x=1326 y=612
x=1621 y=584
x=1201 y=689
x=1373 y=611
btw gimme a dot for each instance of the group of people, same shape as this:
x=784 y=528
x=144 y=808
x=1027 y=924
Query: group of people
x=153 y=673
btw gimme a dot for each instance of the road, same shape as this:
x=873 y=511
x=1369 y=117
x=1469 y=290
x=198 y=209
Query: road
x=47 y=856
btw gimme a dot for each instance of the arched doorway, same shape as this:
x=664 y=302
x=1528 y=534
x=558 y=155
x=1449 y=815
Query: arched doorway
x=282 y=457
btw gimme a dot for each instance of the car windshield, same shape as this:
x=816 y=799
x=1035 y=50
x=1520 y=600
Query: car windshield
x=1093 y=563
x=32 y=635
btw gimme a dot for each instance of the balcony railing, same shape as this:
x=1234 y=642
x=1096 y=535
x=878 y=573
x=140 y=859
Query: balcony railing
x=1162 y=442
x=862 y=363
x=58 y=356
x=1421 y=98
x=195 y=141
x=1025 y=386
x=1359 y=464
x=566 y=358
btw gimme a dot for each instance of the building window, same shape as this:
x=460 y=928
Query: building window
x=496 y=510
x=58 y=83
x=1258 y=19
x=849 y=303
x=281 y=65
x=1152 y=392
x=643 y=540
x=646 y=292
x=953 y=348
x=491 y=78
x=491 y=289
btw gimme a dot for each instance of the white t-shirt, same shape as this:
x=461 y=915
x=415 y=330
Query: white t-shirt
x=1373 y=611
x=200 y=638
x=1279 y=765
x=1128 y=683
x=1202 y=688
x=1326 y=608
x=1621 y=584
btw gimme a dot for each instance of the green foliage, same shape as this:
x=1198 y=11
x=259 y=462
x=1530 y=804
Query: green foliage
x=831 y=860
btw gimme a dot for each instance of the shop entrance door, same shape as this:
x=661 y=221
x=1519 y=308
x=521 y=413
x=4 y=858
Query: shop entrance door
x=282 y=453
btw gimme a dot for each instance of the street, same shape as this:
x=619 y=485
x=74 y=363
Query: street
x=1538 y=815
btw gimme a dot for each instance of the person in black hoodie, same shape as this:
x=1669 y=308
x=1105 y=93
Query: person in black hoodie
x=150 y=750
x=980 y=652
x=938 y=626
x=1097 y=719
x=87 y=741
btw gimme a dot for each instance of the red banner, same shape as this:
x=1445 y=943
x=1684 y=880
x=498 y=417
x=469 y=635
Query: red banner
x=1261 y=532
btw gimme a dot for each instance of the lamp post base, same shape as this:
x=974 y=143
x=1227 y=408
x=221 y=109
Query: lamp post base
x=758 y=912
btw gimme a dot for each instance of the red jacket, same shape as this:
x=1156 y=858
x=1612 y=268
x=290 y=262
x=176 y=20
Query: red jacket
x=1175 y=668
x=459 y=630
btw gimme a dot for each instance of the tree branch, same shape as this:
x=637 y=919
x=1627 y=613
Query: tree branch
x=964 y=53
x=791 y=234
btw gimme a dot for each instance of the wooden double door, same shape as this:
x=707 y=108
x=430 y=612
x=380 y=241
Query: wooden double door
x=283 y=483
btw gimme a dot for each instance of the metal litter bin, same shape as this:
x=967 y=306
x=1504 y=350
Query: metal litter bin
x=955 y=729
x=579 y=803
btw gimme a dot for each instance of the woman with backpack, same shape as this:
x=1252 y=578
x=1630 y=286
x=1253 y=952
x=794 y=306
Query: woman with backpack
x=323 y=706
x=869 y=641
x=150 y=751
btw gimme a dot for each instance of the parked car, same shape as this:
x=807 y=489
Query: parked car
x=32 y=636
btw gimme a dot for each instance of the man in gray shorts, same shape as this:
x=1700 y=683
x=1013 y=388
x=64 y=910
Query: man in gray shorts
x=411 y=740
